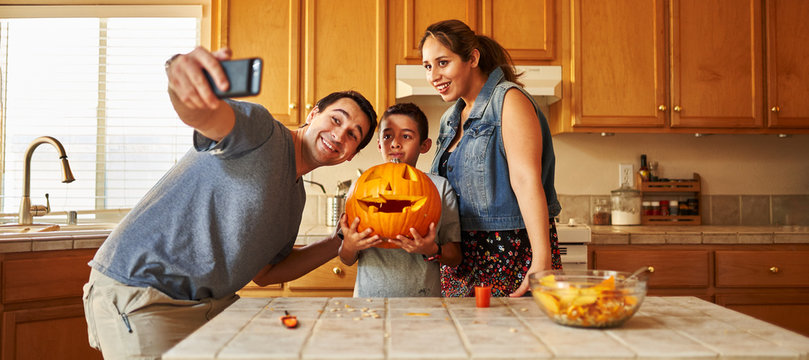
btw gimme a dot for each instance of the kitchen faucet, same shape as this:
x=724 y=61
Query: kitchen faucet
x=26 y=217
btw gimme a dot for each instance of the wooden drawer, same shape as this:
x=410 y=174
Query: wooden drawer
x=762 y=268
x=673 y=268
x=333 y=275
x=44 y=276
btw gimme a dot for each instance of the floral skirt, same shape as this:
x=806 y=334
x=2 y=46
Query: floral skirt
x=496 y=258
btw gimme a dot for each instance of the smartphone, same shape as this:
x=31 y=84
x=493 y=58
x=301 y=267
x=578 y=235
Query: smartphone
x=244 y=76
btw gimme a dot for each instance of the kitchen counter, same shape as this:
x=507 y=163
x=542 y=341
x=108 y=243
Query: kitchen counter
x=453 y=328
x=700 y=234
x=95 y=234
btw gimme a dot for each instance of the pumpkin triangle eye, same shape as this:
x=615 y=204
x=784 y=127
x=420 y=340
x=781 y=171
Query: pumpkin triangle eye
x=388 y=188
x=410 y=174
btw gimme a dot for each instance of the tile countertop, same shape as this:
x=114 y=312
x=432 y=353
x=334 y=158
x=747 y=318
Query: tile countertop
x=453 y=328
x=308 y=233
x=700 y=234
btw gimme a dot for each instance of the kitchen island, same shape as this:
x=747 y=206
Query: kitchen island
x=453 y=328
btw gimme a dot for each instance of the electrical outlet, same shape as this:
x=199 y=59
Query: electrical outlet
x=626 y=174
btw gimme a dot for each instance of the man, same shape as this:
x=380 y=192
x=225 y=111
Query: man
x=226 y=213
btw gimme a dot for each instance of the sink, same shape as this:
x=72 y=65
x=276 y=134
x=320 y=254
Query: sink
x=53 y=229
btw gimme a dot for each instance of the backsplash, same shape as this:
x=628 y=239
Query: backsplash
x=748 y=210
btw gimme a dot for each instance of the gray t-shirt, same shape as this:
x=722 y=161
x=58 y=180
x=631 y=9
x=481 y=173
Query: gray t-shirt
x=222 y=213
x=397 y=273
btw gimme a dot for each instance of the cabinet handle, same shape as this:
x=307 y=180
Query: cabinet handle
x=337 y=271
x=292 y=106
x=308 y=107
x=661 y=108
x=775 y=109
x=774 y=269
x=677 y=108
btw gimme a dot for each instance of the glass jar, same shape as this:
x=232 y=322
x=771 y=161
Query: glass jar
x=626 y=206
x=601 y=212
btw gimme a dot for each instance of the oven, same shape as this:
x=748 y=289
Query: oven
x=573 y=240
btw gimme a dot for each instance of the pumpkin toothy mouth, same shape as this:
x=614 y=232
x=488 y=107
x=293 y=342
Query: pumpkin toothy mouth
x=391 y=206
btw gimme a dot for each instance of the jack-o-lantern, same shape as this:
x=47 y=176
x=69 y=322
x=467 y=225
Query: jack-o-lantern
x=391 y=198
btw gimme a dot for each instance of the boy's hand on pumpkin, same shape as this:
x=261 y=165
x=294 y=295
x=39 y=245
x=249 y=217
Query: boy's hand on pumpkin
x=354 y=241
x=425 y=245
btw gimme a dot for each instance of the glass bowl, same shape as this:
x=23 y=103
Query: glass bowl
x=588 y=298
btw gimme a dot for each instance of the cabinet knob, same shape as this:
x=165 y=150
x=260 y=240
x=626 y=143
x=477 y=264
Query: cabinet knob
x=662 y=108
x=677 y=108
x=292 y=106
x=337 y=271
x=775 y=109
x=651 y=269
x=308 y=107
x=774 y=269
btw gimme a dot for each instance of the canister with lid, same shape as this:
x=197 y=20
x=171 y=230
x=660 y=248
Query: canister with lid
x=626 y=206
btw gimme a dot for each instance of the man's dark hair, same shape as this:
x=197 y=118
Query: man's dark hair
x=364 y=105
x=414 y=112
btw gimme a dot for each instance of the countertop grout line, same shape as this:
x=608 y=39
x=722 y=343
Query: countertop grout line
x=458 y=329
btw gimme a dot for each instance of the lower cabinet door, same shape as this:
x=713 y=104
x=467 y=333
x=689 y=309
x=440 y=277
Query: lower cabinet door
x=672 y=268
x=787 y=310
x=58 y=332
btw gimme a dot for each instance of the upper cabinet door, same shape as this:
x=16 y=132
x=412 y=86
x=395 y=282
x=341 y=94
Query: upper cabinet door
x=523 y=27
x=716 y=55
x=787 y=65
x=270 y=30
x=419 y=14
x=619 y=69
x=344 y=49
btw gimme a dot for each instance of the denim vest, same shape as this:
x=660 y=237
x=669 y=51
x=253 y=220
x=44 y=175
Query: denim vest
x=477 y=168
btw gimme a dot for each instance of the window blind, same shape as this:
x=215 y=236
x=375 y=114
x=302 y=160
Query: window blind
x=96 y=84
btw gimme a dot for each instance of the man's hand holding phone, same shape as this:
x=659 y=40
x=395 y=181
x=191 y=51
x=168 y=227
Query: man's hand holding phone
x=201 y=78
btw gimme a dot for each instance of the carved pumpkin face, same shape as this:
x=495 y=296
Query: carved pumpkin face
x=391 y=198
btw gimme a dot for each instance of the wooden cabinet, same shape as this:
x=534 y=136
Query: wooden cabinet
x=42 y=311
x=619 y=76
x=629 y=75
x=330 y=279
x=526 y=28
x=310 y=48
x=769 y=282
x=787 y=68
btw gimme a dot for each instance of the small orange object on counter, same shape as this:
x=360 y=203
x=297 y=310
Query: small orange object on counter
x=289 y=321
x=483 y=295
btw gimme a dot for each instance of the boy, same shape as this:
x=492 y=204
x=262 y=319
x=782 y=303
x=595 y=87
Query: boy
x=415 y=268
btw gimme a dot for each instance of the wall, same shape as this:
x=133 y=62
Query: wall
x=746 y=179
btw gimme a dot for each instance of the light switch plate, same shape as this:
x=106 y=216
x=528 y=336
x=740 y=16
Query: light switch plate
x=626 y=174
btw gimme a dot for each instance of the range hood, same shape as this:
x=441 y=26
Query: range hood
x=543 y=82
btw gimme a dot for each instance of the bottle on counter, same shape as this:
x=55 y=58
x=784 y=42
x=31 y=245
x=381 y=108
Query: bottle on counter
x=644 y=169
x=601 y=213
x=654 y=171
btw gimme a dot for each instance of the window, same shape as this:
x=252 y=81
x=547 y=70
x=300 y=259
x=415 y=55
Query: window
x=96 y=83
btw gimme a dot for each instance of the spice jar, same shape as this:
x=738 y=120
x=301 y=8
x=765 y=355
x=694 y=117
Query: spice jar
x=626 y=204
x=664 y=207
x=601 y=212
x=655 y=207
x=684 y=208
x=647 y=208
x=674 y=208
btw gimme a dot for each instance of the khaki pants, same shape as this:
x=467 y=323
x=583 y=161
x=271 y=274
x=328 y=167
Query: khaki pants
x=128 y=322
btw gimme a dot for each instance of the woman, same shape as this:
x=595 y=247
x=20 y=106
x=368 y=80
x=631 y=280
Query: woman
x=495 y=148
